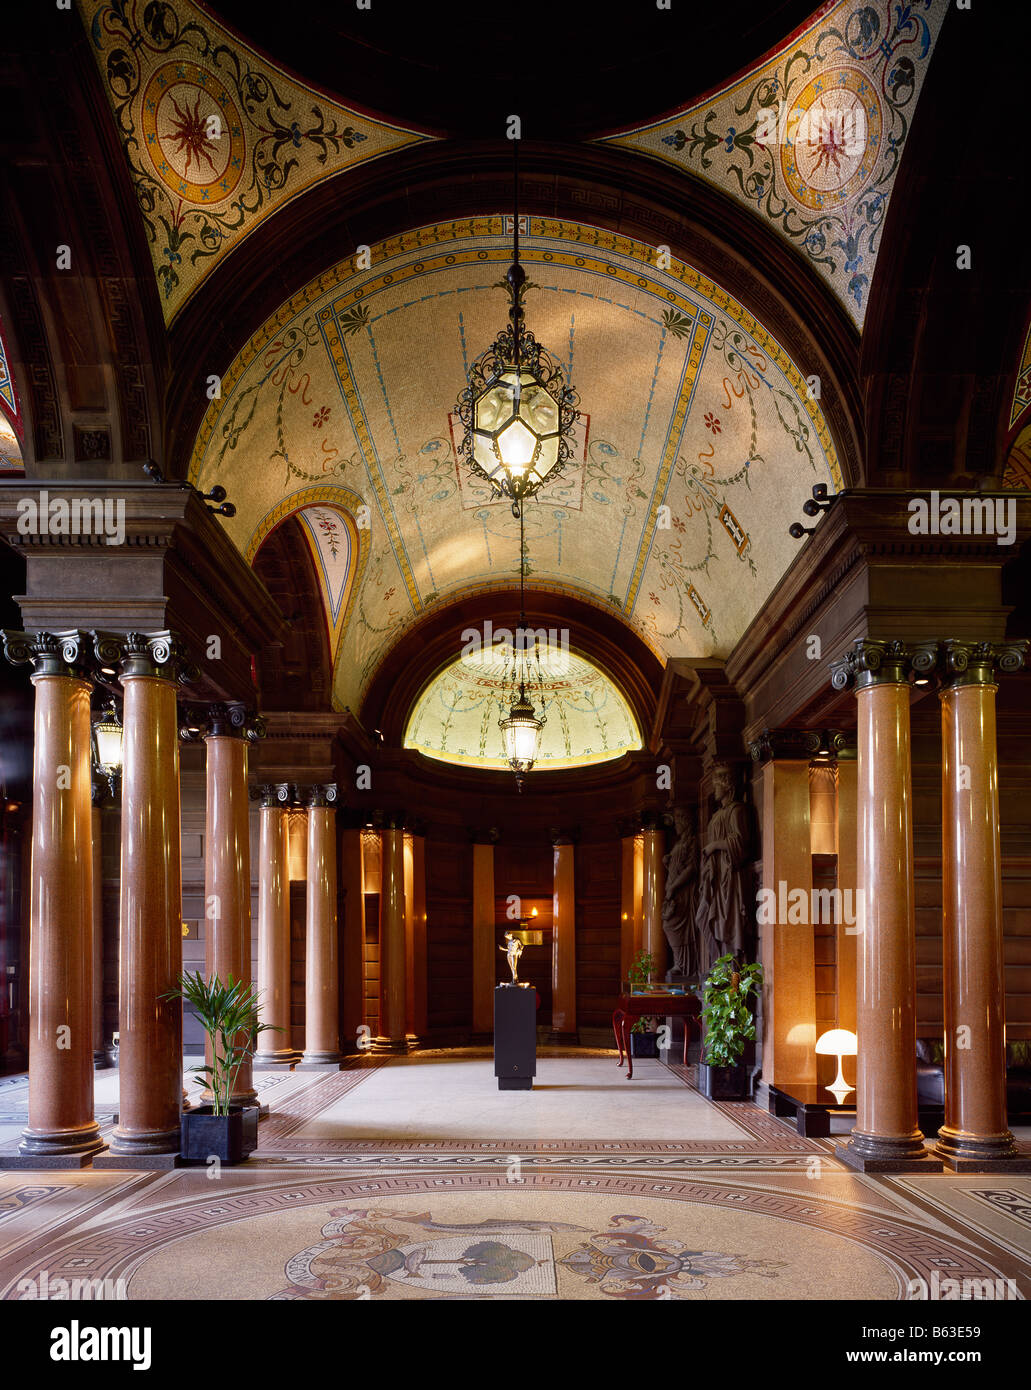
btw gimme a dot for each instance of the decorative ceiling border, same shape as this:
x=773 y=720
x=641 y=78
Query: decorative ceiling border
x=217 y=136
x=852 y=77
x=1022 y=386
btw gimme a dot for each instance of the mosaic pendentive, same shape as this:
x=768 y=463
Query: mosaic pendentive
x=810 y=139
x=216 y=136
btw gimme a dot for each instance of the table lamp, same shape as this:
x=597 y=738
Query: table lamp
x=837 y=1042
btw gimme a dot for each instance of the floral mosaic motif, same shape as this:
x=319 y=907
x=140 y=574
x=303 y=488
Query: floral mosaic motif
x=810 y=140
x=215 y=137
x=636 y=1260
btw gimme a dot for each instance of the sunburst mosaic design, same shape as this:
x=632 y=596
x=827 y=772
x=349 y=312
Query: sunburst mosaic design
x=216 y=136
x=811 y=138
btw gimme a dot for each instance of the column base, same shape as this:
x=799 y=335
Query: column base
x=71 y=1148
x=875 y=1153
x=154 y=1149
x=320 y=1061
x=275 y=1061
x=395 y=1047
x=962 y=1152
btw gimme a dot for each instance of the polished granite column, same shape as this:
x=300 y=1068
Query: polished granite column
x=392 y=972
x=321 y=975
x=975 y=1136
x=100 y=1058
x=886 y=1137
x=274 y=1049
x=227 y=863
x=61 y=1131
x=652 y=938
x=563 y=943
x=415 y=933
x=150 y=1051
x=484 y=943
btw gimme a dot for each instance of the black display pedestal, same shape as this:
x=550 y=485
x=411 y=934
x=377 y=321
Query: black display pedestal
x=515 y=1037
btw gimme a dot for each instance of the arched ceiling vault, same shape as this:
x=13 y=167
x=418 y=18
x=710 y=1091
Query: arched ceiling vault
x=698 y=442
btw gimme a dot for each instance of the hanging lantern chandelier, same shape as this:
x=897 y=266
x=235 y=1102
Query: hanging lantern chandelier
x=517 y=411
x=521 y=731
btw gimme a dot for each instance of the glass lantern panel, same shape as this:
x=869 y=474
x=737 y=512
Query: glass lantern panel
x=547 y=456
x=493 y=408
x=484 y=455
x=539 y=409
x=517 y=447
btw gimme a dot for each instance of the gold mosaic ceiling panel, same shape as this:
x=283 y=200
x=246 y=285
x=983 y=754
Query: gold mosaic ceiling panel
x=698 y=442
x=217 y=137
x=811 y=138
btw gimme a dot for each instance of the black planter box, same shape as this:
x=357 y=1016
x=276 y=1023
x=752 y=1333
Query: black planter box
x=725 y=1083
x=644 y=1044
x=230 y=1138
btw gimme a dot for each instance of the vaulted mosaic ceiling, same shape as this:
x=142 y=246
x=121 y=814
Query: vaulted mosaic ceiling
x=217 y=137
x=698 y=441
x=456 y=717
x=810 y=139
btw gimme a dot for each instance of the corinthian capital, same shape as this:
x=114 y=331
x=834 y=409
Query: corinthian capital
x=160 y=654
x=872 y=662
x=976 y=663
x=50 y=653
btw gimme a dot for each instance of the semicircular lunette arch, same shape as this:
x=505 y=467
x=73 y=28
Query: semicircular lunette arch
x=586 y=718
x=699 y=437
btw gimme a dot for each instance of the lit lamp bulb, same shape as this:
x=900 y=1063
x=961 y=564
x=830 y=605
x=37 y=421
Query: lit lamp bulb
x=837 y=1042
x=521 y=732
x=107 y=733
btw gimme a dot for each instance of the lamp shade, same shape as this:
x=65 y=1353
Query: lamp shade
x=107 y=734
x=836 y=1042
x=521 y=732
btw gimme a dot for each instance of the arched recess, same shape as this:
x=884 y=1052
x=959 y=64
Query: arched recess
x=431 y=644
x=298 y=675
x=323 y=524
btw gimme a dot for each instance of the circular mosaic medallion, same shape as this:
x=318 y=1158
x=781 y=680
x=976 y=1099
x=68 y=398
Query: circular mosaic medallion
x=833 y=135
x=193 y=133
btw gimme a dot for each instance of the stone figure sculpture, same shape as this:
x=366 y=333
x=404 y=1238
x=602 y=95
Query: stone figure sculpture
x=678 y=905
x=725 y=914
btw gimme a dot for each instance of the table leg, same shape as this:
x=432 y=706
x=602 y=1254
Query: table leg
x=629 y=1052
x=812 y=1124
x=617 y=1025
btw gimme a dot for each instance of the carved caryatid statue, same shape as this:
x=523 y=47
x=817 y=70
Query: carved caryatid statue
x=678 y=905
x=724 y=918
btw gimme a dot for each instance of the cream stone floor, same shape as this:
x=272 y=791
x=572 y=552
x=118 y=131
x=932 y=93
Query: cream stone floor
x=582 y=1098
x=415 y=1178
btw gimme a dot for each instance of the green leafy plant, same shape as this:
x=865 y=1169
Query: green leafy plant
x=729 y=1019
x=228 y=1013
x=641 y=970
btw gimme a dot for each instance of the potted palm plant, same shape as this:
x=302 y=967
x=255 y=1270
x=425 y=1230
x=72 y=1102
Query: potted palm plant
x=729 y=1027
x=643 y=1032
x=228 y=1013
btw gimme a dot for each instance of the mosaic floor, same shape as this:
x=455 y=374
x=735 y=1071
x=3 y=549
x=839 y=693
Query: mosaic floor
x=411 y=1178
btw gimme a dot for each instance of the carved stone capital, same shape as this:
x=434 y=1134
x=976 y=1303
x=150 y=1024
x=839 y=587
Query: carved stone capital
x=229 y=719
x=158 y=654
x=871 y=662
x=802 y=745
x=484 y=834
x=322 y=794
x=51 y=653
x=976 y=663
x=272 y=794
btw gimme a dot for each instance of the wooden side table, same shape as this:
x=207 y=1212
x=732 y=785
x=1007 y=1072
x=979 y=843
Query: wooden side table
x=633 y=1006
